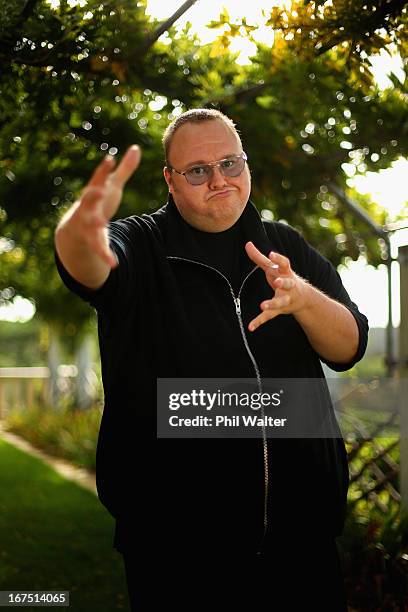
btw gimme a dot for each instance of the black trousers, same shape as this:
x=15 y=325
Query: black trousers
x=288 y=578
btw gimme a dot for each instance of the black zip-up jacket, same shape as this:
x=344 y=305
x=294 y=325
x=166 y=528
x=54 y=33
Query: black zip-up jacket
x=161 y=313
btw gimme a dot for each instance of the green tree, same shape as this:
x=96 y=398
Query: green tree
x=79 y=81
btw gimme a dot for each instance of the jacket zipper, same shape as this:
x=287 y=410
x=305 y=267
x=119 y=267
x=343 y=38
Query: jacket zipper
x=237 y=302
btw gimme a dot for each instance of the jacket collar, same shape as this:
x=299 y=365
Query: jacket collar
x=179 y=240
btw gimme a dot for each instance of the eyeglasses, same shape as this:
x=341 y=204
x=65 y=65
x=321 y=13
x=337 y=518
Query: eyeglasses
x=198 y=175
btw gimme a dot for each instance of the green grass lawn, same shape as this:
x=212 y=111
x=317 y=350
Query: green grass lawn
x=56 y=535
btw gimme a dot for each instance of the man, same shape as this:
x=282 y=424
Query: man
x=203 y=288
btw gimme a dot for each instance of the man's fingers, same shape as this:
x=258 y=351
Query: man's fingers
x=101 y=172
x=100 y=246
x=92 y=208
x=127 y=166
x=123 y=172
x=284 y=283
x=107 y=256
x=90 y=198
x=94 y=224
x=258 y=258
x=261 y=319
x=281 y=261
x=275 y=303
x=110 y=258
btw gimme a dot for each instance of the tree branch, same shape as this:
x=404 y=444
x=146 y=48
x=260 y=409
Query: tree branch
x=167 y=24
x=26 y=12
x=357 y=210
x=239 y=96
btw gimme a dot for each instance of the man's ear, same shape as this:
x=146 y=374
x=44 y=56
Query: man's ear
x=167 y=178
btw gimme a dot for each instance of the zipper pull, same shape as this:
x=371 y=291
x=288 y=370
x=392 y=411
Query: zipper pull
x=237 y=305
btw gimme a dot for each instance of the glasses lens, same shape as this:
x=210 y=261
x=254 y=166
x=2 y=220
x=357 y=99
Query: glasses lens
x=232 y=166
x=198 y=175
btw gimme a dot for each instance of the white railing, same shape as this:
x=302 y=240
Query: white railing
x=20 y=387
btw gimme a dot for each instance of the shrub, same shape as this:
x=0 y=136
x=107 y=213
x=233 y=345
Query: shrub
x=67 y=433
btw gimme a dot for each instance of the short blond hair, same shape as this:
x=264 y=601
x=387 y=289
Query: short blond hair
x=194 y=115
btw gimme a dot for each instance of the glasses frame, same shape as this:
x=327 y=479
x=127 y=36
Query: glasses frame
x=216 y=164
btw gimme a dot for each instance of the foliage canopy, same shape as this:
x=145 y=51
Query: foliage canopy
x=78 y=80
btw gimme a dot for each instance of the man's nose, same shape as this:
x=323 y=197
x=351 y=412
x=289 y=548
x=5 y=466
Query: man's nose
x=217 y=179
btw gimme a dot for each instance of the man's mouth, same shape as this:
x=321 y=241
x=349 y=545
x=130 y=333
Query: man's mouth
x=221 y=194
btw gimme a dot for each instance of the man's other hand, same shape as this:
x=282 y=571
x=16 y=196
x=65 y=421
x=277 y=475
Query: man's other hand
x=100 y=200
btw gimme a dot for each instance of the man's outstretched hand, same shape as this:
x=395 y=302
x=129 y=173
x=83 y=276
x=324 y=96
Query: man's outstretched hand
x=81 y=237
x=100 y=200
x=291 y=291
x=328 y=324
